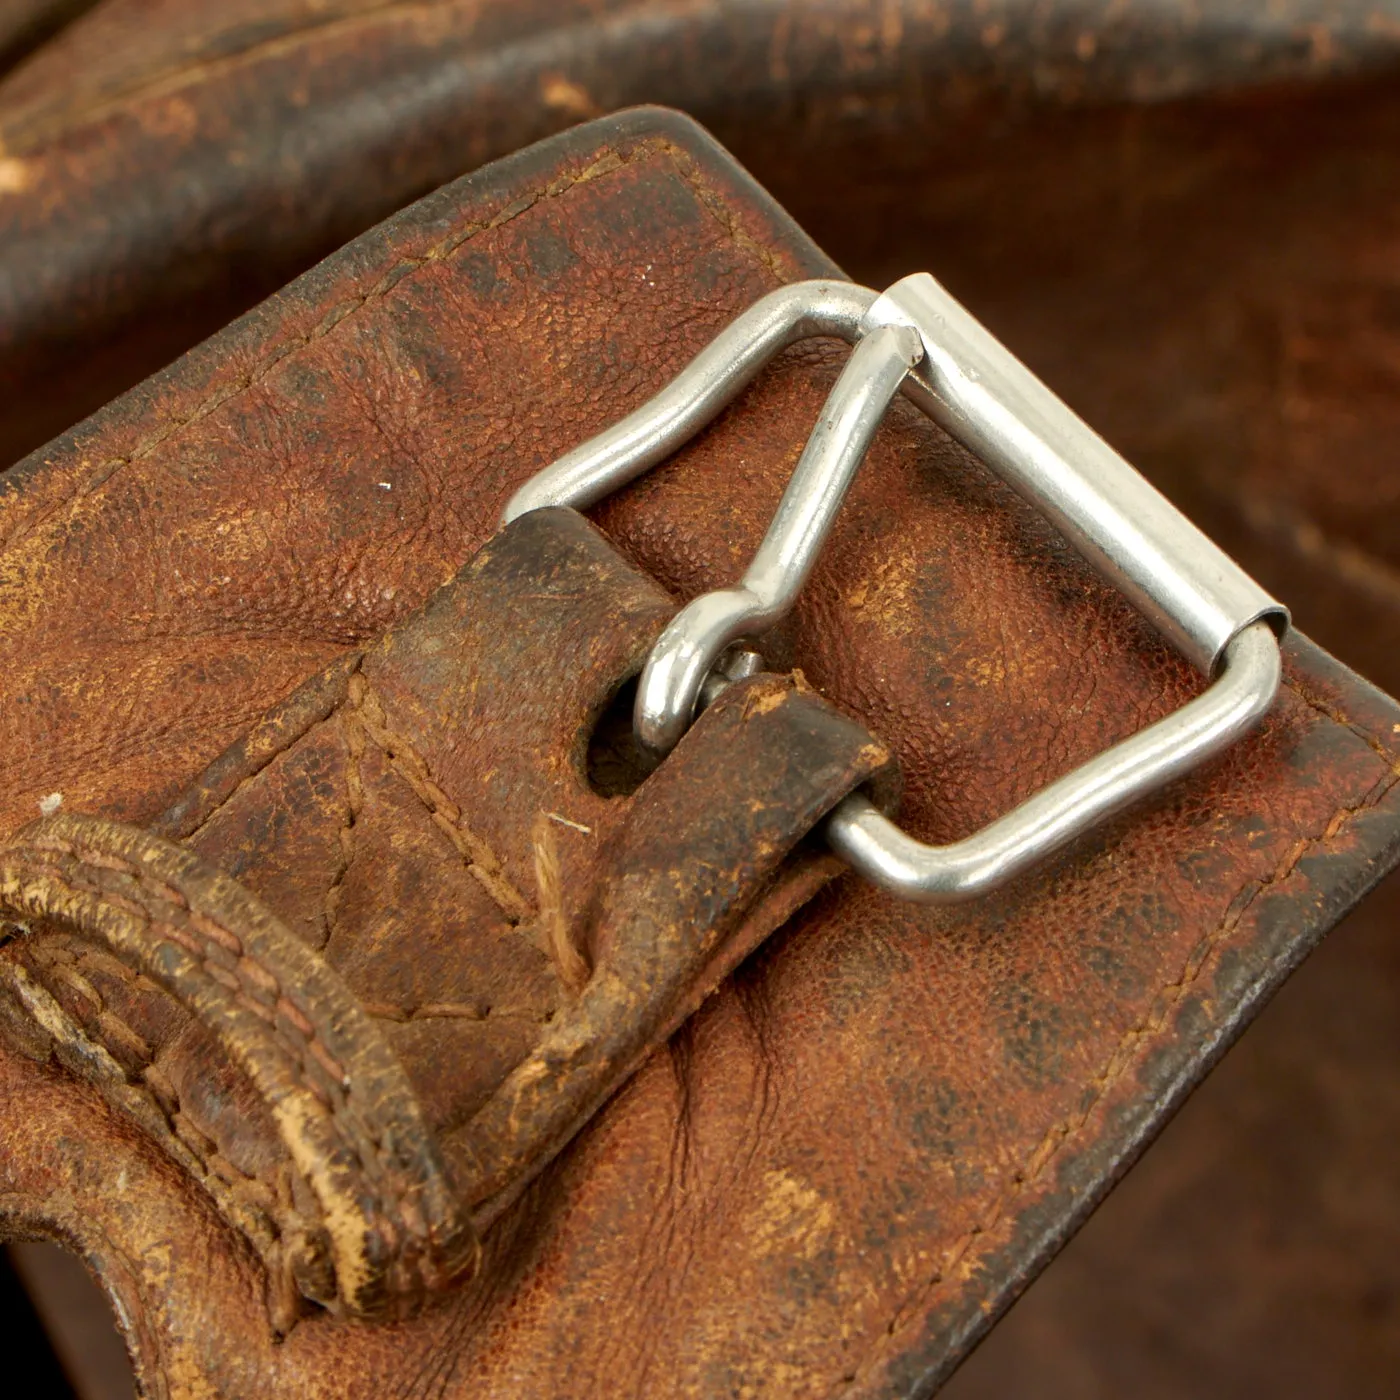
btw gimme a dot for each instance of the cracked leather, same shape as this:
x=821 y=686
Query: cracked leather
x=366 y=1061
x=850 y=1159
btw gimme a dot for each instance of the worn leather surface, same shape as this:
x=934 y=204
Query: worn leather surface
x=166 y=163
x=332 y=1002
x=860 y=1149
x=1255 y=1249
x=1182 y=216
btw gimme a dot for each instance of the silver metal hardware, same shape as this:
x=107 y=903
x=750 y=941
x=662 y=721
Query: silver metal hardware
x=970 y=384
x=917 y=340
x=868 y=840
x=706 y=386
x=688 y=648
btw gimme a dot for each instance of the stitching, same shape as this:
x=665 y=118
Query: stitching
x=211 y=1166
x=451 y=1011
x=354 y=736
x=570 y=961
x=220 y=953
x=715 y=206
x=439 y=806
x=381 y=1205
x=258 y=1209
x=221 y=957
x=1119 y=1061
x=609 y=160
x=481 y=861
x=1340 y=717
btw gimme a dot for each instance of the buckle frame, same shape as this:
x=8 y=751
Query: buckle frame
x=916 y=339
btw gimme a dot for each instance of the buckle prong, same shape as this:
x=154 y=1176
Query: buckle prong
x=693 y=641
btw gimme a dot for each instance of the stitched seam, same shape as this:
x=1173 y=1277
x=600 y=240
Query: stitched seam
x=451 y=1011
x=481 y=861
x=212 y=1162
x=1340 y=717
x=1120 y=1060
x=301 y=1027
x=607 y=162
x=211 y=1168
x=713 y=203
x=354 y=804
x=382 y=1204
x=285 y=1022
x=258 y=1209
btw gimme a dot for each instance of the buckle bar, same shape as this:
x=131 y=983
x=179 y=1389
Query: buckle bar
x=917 y=340
x=974 y=387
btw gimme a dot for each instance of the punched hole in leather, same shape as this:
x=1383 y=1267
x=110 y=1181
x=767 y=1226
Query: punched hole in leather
x=376 y=967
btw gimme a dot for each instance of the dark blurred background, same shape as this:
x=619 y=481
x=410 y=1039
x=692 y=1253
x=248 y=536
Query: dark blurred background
x=1185 y=217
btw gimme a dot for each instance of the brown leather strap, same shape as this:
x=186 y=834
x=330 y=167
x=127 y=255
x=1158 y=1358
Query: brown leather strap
x=343 y=1108
x=351 y=802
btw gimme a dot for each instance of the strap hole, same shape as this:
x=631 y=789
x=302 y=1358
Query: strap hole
x=616 y=765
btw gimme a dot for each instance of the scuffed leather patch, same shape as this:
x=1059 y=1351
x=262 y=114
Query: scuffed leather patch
x=478 y=946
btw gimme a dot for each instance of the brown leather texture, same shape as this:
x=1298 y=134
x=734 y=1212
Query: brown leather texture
x=1252 y=1250
x=333 y=1005
x=1180 y=215
x=856 y=1153
x=166 y=163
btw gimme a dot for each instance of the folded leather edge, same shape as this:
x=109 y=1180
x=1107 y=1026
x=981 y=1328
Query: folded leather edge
x=344 y=1109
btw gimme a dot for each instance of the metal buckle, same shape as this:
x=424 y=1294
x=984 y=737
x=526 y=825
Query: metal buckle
x=917 y=340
